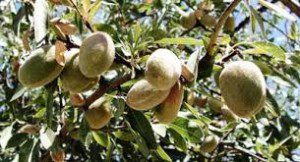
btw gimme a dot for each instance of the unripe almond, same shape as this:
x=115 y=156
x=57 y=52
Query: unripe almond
x=208 y=21
x=40 y=68
x=209 y=144
x=229 y=24
x=168 y=109
x=188 y=21
x=72 y=79
x=98 y=114
x=143 y=96
x=163 y=69
x=214 y=104
x=97 y=54
x=243 y=88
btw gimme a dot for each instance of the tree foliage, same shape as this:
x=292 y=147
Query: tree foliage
x=40 y=123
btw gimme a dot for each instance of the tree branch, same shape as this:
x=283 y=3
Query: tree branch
x=106 y=87
x=244 y=151
x=292 y=6
x=221 y=22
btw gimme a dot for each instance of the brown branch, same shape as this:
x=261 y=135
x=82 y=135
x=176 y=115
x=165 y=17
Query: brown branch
x=218 y=28
x=106 y=87
x=244 y=151
x=292 y=6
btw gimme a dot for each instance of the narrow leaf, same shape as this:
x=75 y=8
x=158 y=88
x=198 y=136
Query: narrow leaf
x=277 y=10
x=141 y=124
x=19 y=92
x=188 y=41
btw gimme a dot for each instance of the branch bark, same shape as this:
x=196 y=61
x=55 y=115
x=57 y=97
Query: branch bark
x=292 y=6
x=221 y=22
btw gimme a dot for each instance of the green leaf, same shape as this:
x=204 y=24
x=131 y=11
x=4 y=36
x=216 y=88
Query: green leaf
x=19 y=92
x=25 y=151
x=94 y=9
x=120 y=105
x=265 y=69
x=140 y=142
x=40 y=16
x=271 y=48
x=162 y=154
x=259 y=19
x=83 y=130
x=179 y=141
x=6 y=134
x=34 y=154
x=16 y=140
x=110 y=148
x=264 y=47
x=187 y=129
x=125 y=136
x=40 y=113
x=141 y=124
x=105 y=28
x=196 y=114
x=101 y=138
x=188 y=41
x=277 y=10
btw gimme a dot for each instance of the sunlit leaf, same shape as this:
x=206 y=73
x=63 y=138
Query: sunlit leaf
x=187 y=41
x=278 y=10
x=141 y=124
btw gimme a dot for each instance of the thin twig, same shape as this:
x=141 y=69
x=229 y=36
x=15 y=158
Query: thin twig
x=221 y=22
x=105 y=88
x=86 y=22
x=244 y=151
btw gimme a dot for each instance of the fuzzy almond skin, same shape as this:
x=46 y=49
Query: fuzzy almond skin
x=97 y=54
x=208 y=21
x=188 y=21
x=163 y=69
x=72 y=79
x=209 y=144
x=229 y=24
x=243 y=88
x=98 y=114
x=40 y=68
x=144 y=96
x=169 y=108
x=214 y=104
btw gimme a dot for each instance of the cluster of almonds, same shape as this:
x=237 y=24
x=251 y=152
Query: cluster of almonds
x=204 y=16
x=161 y=86
x=79 y=73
